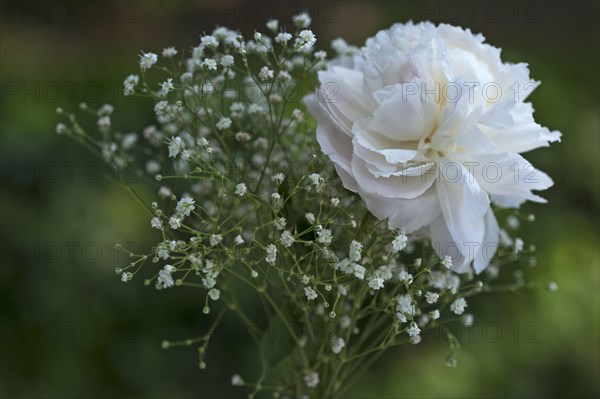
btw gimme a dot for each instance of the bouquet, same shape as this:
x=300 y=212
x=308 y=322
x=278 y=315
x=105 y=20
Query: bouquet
x=357 y=200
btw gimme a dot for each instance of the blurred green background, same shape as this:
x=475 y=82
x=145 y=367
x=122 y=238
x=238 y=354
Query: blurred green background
x=70 y=328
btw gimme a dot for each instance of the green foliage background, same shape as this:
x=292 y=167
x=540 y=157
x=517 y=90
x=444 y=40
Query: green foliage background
x=70 y=328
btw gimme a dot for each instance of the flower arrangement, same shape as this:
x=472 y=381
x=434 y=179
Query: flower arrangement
x=382 y=225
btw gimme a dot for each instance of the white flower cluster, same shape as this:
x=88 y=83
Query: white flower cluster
x=245 y=198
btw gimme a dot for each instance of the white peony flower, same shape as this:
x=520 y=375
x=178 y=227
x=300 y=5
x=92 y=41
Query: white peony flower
x=425 y=123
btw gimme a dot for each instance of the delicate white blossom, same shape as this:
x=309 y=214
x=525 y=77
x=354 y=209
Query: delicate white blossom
x=175 y=146
x=241 y=189
x=164 y=277
x=279 y=223
x=166 y=87
x=321 y=55
x=317 y=181
x=458 y=306
x=156 y=223
x=215 y=239
x=312 y=380
x=271 y=254
x=227 y=60
x=404 y=305
x=359 y=271
x=302 y=20
x=413 y=330
x=431 y=297
x=406 y=139
x=185 y=206
x=169 y=52
x=104 y=123
x=209 y=41
x=324 y=236
x=175 y=222
x=147 y=60
x=224 y=123
x=447 y=261
x=354 y=253
x=376 y=282
x=298 y=115
x=129 y=84
x=306 y=39
x=210 y=64
x=278 y=178
x=287 y=239
x=310 y=293
x=404 y=276
x=283 y=37
x=272 y=25
x=399 y=243
x=337 y=345
x=265 y=73
x=242 y=136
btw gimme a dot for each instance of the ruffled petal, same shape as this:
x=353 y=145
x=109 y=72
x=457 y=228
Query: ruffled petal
x=405 y=186
x=406 y=214
x=334 y=142
x=491 y=237
x=509 y=178
x=524 y=134
x=404 y=113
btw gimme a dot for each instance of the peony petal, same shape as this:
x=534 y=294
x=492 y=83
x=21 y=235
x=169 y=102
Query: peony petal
x=463 y=204
x=335 y=143
x=402 y=116
x=445 y=245
x=524 y=134
x=479 y=251
x=383 y=145
x=406 y=187
x=486 y=251
x=406 y=214
x=341 y=94
x=509 y=178
x=498 y=115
